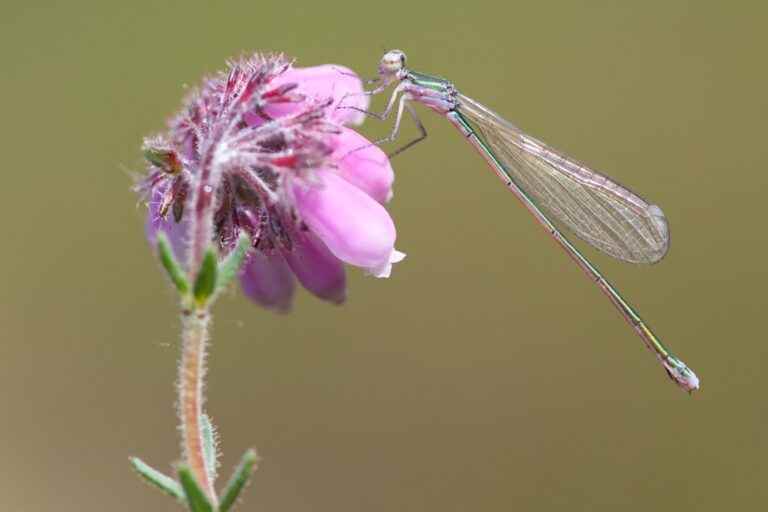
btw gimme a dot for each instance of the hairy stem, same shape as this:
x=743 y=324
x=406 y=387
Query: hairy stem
x=191 y=374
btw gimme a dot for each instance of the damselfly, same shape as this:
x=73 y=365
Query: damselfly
x=550 y=185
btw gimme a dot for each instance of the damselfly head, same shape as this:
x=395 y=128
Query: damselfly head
x=392 y=63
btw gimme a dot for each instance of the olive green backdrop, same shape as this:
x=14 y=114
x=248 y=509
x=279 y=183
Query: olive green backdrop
x=487 y=374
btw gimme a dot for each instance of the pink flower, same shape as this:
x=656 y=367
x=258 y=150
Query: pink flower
x=263 y=150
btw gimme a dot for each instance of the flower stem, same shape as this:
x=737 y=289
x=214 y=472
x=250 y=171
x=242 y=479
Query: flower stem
x=191 y=374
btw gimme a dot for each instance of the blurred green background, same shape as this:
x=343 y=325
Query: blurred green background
x=487 y=373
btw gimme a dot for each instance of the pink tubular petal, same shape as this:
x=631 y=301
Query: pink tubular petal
x=267 y=280
x=354 y=227
x=385 y=269
x=367 y=168
x=320 y=83
x=317 y=269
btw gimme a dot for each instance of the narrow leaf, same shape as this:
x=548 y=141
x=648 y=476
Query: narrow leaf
x=205 y=284
x=196 y=498
x=231 y=264
x=209 y=446
x=165 y=483
x=175 y=272
x=238 y=480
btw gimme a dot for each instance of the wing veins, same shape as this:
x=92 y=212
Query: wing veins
x=602 y=212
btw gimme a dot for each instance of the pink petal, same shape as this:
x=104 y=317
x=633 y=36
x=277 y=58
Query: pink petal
x=367 y=169
x=316 y=268
x=385 y=269
x=354 y=227
x=321 y=83
x=267 y=280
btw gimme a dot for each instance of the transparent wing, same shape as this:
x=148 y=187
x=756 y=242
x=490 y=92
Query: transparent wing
x=598 y=210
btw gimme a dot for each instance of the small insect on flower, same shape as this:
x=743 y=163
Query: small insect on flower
x=262 y=150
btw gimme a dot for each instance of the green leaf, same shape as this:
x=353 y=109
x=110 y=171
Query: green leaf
x=209 y=446
x=238 y=480
x=205 y=284
x=196 y=498
x=165 y=483
x=175 y=272
x=231 y=264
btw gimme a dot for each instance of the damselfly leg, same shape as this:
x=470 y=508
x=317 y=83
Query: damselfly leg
x=402 y=104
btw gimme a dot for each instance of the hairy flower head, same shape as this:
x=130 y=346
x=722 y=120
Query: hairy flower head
x=262 y=149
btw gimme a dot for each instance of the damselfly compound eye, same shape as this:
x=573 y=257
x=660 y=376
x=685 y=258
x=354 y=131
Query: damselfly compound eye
x=392 y=62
